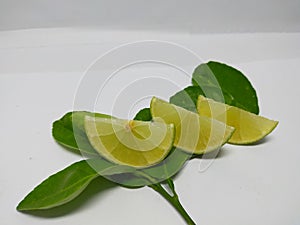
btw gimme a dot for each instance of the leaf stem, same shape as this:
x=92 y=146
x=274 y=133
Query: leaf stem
x=173 y=200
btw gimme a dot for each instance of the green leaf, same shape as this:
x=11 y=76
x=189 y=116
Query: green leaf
x=169 y=167
x=131 y=177
x=235 y=87
x=68 y=183
x=166 y=169
x=61 y=187
x=143 y=115
x=155 y=174
x=187 y=98
x=63 y=131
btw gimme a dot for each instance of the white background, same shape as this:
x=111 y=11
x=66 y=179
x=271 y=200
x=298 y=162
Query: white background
x=40 y=70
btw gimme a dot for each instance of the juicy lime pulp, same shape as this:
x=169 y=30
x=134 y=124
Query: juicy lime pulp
x=133 y=143
x=249 y=127
x=194 y=133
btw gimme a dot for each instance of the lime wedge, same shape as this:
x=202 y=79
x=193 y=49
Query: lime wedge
x=194 y=134
x=133 y=143
x=249 y=127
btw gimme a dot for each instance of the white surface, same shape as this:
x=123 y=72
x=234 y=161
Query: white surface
x=204 y=16
x=39 y=74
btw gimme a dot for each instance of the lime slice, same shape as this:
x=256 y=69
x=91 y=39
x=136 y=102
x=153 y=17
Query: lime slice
x=194 y=134
x=249 y=127
x=133 y=143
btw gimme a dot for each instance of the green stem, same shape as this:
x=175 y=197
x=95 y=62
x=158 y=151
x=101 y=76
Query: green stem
x=173 y=200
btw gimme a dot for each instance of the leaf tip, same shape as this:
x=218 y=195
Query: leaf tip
x=20 y=207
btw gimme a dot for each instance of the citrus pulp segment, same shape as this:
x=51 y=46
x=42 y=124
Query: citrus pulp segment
x=134 y=143
x=194 y=134
x=249 y=127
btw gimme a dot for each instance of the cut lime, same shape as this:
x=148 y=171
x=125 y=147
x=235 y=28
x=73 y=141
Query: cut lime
x=249 y=127
x=133 y=143
x=194 y=134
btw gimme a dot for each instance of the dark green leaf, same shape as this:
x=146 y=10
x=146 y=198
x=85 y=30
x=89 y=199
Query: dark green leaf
x=158 y=173
x=187 y=98
x=169 y=167
x=133 y=177
x=235 y=87
x=60 y=188
x=125 y=175
x=68 y=183
x=64 y=133
x=69 y=131
x=143 y=115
